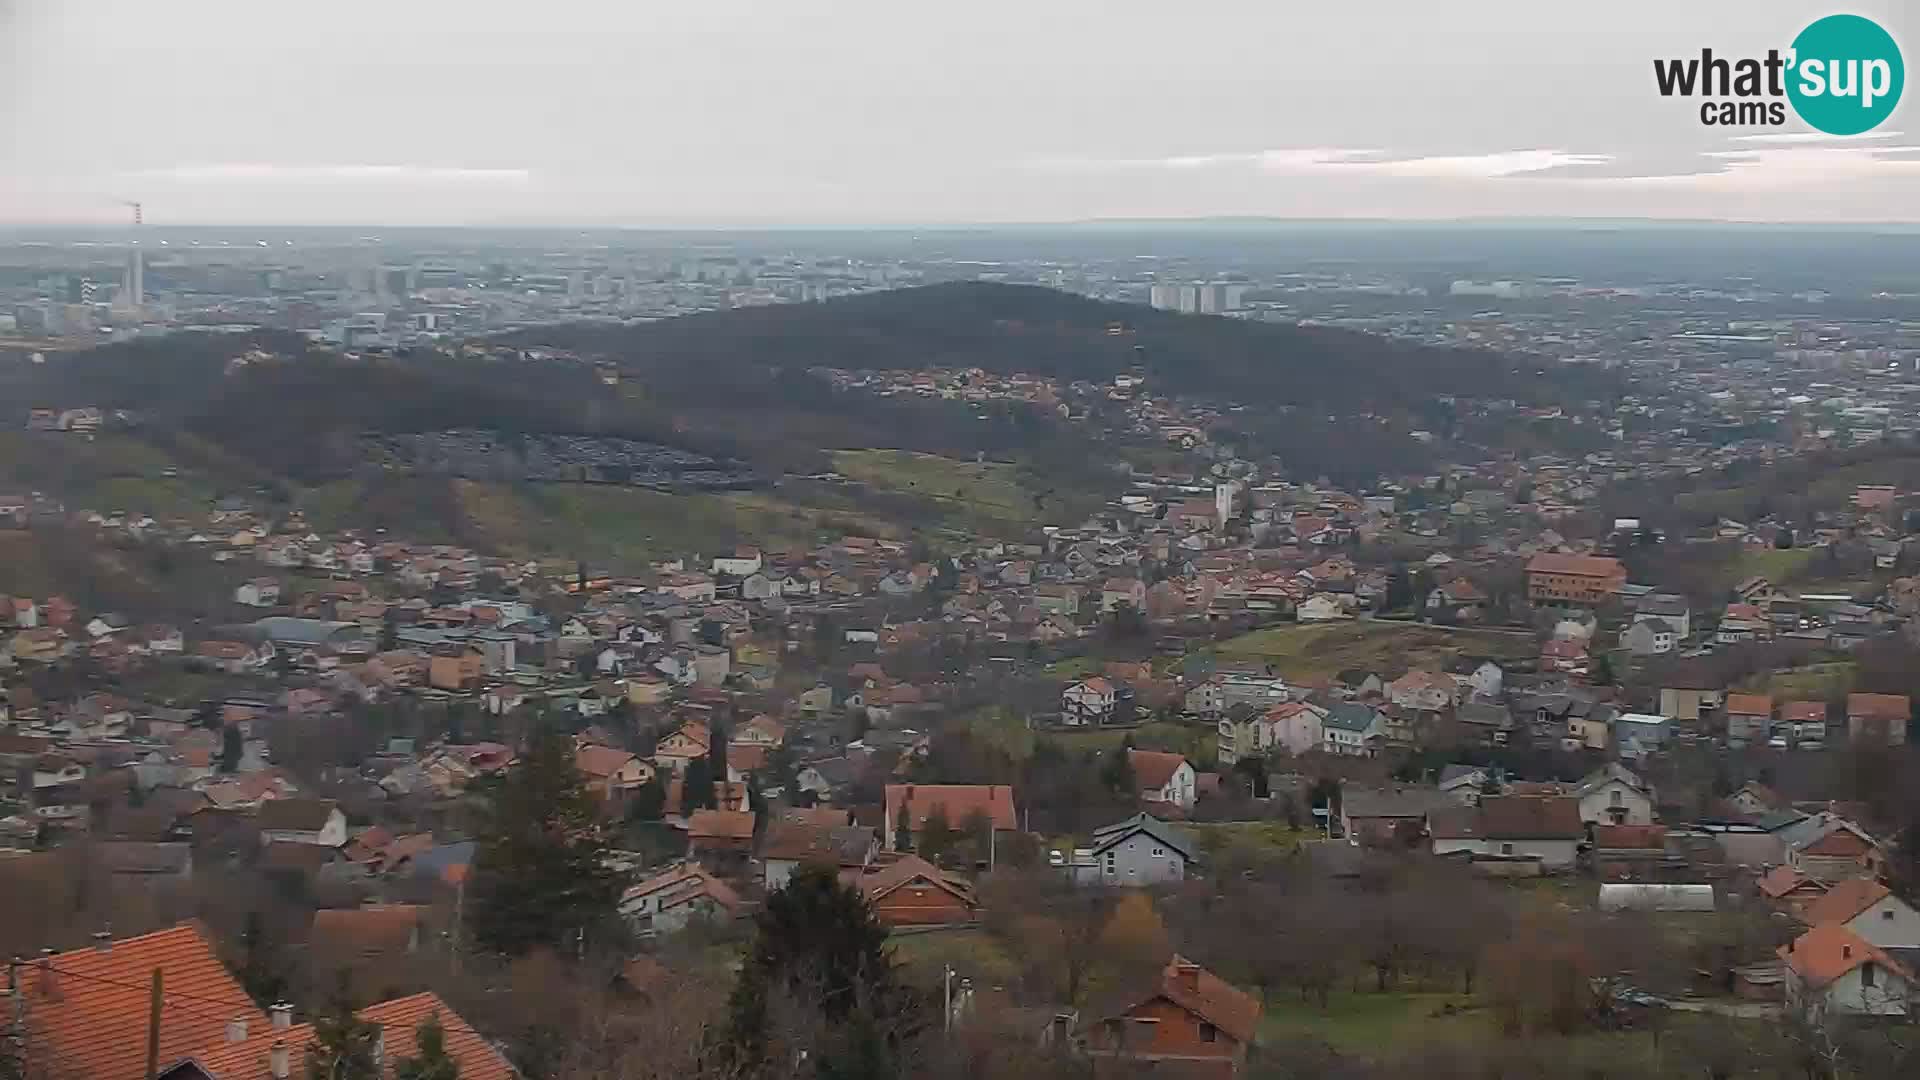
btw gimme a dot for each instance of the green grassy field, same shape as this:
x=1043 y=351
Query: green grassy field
x=1195 y=742
x=974 y=954
x=1776 y=565
x=1310 y=649
x=1073 y=667
x=111 y=471
x=1813 y=682
x=1271 y=836
x=989 y=493
x=1372 y=1025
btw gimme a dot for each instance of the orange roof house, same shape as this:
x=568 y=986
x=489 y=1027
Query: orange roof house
x=1576 y=579
x=87 y=1010
x=913 y=803
x=1826 y=954
x=279 y=1053
x=1879 y=718
x=914 y=892
x=1192 y=1020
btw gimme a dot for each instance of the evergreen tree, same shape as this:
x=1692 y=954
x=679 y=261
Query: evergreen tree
x=817 y=938
x=717 y=751
x=649 y=800
x=859 y=1051
x=432 y=1062
x=757 y=804
x=540 y=873
x=261 y=972
x=231 y=747
x=1116 y=772
x=696 y=788
x=1603 y=671
x=342 y=1046
x=903 y=831
x=936 y=833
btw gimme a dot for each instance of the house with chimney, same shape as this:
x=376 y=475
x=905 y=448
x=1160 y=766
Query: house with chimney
x=89 y=1010
x=1192 y=1022
x=1832 y=971
x=910 y=891
x=910 y=805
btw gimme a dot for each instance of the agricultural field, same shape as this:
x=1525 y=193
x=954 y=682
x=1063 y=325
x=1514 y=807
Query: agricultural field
x=1323 y=649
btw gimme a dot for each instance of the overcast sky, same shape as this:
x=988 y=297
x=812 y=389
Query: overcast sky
x=718 y=112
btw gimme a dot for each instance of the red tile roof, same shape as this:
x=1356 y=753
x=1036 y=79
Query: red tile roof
x=600 y=761
x=1782 y=880
x=87 y=1009
x=1152 y=769
x=1211 y=998
x=1879 y=706
x=1844 y=901
x=1531 y=817
x=908 y=869
x=399 y=1021
x=341 y=934
x=1630 y=837
x=1749 y=705
x=1827 y=952
x=720 y=825
x=1600 y=566
x=960 y=801
x=1804 y=711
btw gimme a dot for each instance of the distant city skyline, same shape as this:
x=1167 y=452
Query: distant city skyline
x=751 y=114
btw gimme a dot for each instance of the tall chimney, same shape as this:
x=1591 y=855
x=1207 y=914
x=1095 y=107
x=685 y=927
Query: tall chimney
x=277 y=1064
x=282 y=1015
x=103 y=940
x=237 y=1030
x=1188 y=976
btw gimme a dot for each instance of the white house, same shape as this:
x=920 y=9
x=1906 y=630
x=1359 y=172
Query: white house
x=1870 y=910
x=1320 y=607
x=1649 y=637
x=1164 y=778
x=743 y=562
x=302 y=821
x=1614 y=795
x=1422 y=690
x=259 y=592
x=1351 y=729
x=667 y=902
x=1830 y=970
x=1546 y=829
x=1089 y=701
x=1483 y=681
x=1296 y=727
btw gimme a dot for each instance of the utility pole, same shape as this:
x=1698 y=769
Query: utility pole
x=153 y=1029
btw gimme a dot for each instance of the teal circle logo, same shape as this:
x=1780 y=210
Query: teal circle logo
x=1847 y=75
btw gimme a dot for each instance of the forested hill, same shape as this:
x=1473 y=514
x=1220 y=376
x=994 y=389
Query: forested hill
x=1007 y=328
